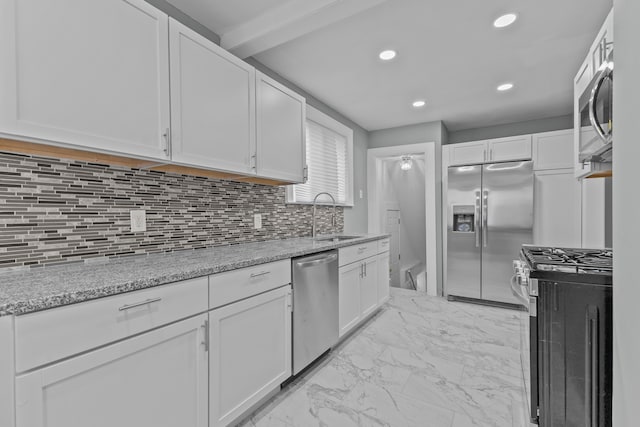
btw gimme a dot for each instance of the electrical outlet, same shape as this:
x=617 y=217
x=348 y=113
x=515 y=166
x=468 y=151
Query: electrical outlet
x=361 y=194
x=257 y=221
x=138 y=220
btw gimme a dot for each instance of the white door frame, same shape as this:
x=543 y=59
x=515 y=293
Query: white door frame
x=433 y=244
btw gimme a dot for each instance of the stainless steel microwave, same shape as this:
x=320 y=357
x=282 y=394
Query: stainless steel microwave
x=595 y=135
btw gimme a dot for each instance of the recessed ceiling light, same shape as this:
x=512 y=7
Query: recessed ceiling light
x=505 y=86
x=505 y=20
x=418 y=104
x=387 y=55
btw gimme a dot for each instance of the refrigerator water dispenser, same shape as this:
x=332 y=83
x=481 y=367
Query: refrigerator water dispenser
x=463 y=218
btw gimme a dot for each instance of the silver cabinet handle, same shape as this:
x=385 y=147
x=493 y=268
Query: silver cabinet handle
x=167 y=140
x=491 y=154
x=365 y=269
x=362 y=248
x=485 y=214
x=138 y=304
x=206 y=335
x=361 y=270
x=262 y=273
x=254 y=162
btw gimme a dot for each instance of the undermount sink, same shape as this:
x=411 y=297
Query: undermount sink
x=335 y=238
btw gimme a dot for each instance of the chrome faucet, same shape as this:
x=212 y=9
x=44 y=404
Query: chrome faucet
x=333 y=219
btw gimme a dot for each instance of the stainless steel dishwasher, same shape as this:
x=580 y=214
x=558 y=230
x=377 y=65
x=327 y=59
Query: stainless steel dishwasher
x=315 y=307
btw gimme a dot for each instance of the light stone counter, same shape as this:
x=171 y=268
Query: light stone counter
x=35 y=289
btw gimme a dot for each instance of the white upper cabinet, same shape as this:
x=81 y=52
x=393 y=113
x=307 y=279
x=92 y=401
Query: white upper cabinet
x=86 y=73
x=489 y=151
x=212 y=95
x=467 y=153
x=553 y=150
x=280 y=116
x=508 y=149
x=557 y=208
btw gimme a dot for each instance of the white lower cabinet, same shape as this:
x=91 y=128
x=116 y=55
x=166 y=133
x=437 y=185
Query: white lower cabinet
x=158 y=379
x=349 y=296
x=369 y=286
x=359 y=289
x=383 y=277
x=250 y=354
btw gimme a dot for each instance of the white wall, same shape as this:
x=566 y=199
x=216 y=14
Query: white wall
x=626 y=211
x=407 y=189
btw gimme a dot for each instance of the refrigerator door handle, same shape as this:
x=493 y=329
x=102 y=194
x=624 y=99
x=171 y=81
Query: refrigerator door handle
x=485 y=213
x=477 y=219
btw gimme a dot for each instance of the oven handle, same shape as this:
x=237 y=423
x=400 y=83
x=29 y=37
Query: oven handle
x=591 y=368
x=603 y=74
x=516 y=292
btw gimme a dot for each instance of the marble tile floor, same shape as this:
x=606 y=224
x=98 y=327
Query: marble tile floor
x=421 y=361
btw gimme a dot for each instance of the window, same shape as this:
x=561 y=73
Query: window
x=329 y=160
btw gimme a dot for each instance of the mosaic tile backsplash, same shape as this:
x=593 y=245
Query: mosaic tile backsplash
x=54 y=211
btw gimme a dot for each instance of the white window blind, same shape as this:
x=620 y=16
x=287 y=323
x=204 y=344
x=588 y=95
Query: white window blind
x=329 y=165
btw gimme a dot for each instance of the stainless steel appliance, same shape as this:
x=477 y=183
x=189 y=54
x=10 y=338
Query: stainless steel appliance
x=570 y=309
x=595 y=134
x=315 y=307
x=490 y=216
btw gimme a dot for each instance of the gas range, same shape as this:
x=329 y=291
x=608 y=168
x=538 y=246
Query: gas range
x=568 y=264
x=568 y=293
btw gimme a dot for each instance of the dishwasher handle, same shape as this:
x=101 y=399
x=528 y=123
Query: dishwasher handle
x=325 y=259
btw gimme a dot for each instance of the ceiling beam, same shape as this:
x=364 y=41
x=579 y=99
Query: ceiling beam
x=287 y=22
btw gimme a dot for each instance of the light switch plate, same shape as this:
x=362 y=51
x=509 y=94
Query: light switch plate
x=257 y=221
x=138 y=220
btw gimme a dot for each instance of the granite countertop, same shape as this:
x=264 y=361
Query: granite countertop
x=35 y=289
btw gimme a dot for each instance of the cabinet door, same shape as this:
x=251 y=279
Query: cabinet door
x=508 y=149
x=212 y=104
x=250 y=352
x=87 y=73
x=553 y=150
x=557 y=209
x=383 y=277
x=280 y=131
x=369 y=286
x=349 y=296
x=155 y=379
x=596 y=211
x=468 y=153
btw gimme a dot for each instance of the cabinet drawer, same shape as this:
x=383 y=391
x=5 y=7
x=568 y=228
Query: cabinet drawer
x=383 y=245
x=246 y=282
x=357 y=252
x=46 y=336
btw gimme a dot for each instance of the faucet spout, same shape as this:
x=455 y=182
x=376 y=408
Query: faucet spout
x=333 y=218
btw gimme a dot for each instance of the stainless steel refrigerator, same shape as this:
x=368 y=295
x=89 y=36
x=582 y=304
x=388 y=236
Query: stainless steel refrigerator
x=490 y=216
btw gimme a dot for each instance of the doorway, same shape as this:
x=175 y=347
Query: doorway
x=414 y=192
x=393 y=230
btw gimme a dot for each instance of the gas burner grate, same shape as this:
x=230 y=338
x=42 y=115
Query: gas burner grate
x=587 y=261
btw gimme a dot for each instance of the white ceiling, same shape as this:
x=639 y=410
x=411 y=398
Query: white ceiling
x=448 y=53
